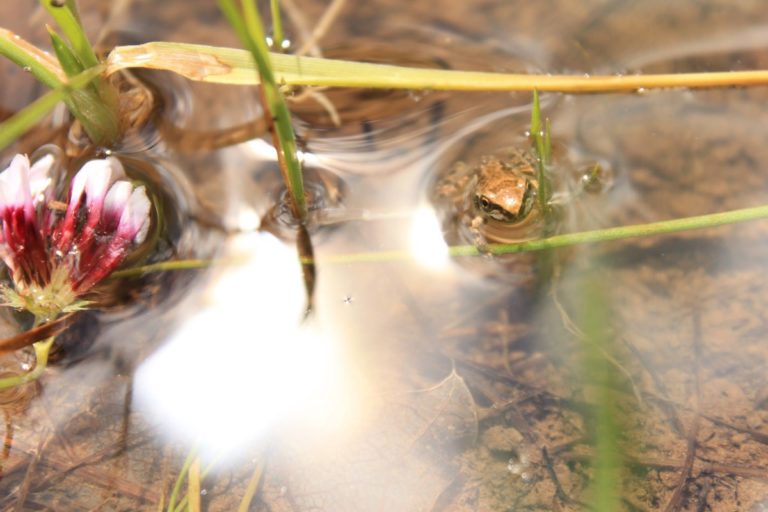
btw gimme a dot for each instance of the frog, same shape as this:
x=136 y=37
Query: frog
x=495 y=201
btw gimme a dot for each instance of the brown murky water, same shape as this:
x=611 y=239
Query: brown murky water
x=425 y=384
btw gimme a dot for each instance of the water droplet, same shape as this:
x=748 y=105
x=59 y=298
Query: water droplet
x=26 y=366
x=285 y=44
x=641 y=90
x=107 y=152
x=526 y=476
x=270 y=41
x=28 y=69
x=203 y=492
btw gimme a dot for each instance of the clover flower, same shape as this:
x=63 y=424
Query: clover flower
x=55 y=251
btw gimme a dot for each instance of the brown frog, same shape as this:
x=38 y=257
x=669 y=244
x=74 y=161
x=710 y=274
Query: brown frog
x=494 y=202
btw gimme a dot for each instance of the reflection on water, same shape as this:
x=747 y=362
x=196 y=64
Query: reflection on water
x=242 y=364
x=421 y=383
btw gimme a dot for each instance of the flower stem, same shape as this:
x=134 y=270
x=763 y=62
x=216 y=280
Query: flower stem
x=42 y=349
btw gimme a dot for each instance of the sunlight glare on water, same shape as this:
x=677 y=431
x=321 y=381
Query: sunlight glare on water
x=427 y=244
x=245 y=362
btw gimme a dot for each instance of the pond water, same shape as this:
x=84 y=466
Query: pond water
x=420 y=382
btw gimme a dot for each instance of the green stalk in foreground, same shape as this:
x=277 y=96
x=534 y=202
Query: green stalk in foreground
x=601 y=375
x=251 y=34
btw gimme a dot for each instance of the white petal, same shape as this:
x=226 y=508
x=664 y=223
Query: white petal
x=94 y=178
x=117 y=199
x=40 y=178
x=134 y=222
x=14 y=184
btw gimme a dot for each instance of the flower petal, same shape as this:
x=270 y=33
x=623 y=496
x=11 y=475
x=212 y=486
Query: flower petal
x=134 y=223
x=92 y=180
x=40 y=178
x=14 y=185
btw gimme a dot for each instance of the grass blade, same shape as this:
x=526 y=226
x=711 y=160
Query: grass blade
x=277 y=25
x=67 y=59
x=25 y=119
x=68 y=20
x=252 y=35
x=233 y=66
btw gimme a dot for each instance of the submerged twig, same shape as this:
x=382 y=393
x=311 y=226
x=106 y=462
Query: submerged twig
x=326 y=20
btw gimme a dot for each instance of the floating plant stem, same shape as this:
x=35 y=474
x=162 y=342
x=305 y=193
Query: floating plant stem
x=233 y=66
x=26 y=118
x=251 y=34
x=583 y=237
x=162 y=266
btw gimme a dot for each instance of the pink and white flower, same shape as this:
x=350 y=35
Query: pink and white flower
x=56 y=254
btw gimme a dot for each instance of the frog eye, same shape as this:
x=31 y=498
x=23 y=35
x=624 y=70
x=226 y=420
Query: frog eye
x=484 y=203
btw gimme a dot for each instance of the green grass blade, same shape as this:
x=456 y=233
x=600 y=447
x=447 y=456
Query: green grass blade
x=67 y=59
x=98 y=116
x=537 y=139
x=277 y=25
x=233 y=66
x=25 y=119
x=252 y=35
x=580 y=238
x=68 y=20
x=40 y=64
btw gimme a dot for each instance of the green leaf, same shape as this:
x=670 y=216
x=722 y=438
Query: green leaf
x=67 y=59
x=68 y=20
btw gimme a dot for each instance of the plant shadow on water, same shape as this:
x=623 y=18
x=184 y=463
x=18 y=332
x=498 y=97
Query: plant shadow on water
x=429 y=383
